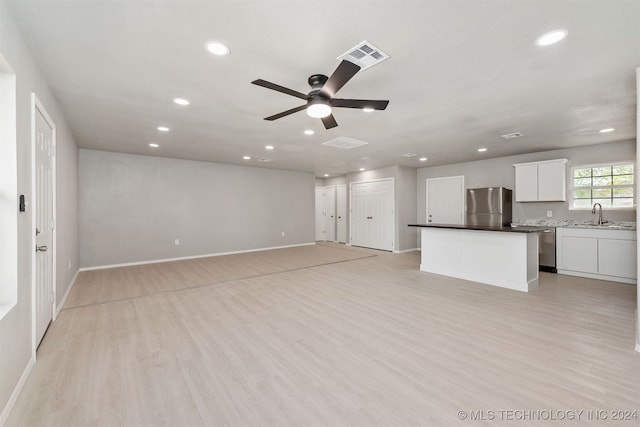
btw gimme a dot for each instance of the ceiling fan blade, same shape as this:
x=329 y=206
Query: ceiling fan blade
x=339 y=78
x=279 y=88
x=285 y=113
x=329 y=122
x=358 y=103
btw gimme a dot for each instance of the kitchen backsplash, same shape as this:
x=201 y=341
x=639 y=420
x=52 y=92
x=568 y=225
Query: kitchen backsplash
x=629 y=225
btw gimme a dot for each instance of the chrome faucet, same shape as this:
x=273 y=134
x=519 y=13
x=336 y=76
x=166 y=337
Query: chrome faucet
x=600 y=220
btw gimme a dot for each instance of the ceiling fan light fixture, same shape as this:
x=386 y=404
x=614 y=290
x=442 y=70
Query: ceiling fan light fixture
x=318 y=110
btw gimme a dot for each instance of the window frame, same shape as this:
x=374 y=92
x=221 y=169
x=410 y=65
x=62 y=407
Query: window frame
x=571 y=186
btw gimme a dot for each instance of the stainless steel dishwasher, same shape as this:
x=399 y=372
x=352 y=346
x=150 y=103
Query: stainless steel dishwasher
x=547 y=250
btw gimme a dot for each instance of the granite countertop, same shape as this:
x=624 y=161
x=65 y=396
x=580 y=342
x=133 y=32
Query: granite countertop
x=507 y=229
x=569 y=223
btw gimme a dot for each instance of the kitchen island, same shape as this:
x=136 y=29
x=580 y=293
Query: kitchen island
x=500 y=256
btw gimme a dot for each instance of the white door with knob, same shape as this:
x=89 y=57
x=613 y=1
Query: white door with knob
x=330 y=211
x=445 y=200
x=44 y=209
x=341 y=212
x=326 y=213
x=372 y=214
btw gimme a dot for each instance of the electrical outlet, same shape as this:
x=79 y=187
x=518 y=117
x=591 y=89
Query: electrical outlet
x=549 y=214
x=177 y=242
x=282 y=234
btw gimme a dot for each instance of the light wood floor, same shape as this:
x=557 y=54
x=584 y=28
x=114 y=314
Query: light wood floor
x=327 y=335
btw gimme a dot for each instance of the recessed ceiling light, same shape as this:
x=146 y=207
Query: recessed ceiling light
x=163 y=129
x=551 y=37
x=362 y=169
x=153 y=145
x=218 y=48
x=482 y=150
x=309 y=132
x=423 y=159
x=181 y=101
x=246 y=157
x=269 y=147
x=368 y=110
x=326 y=175
x=607 y=130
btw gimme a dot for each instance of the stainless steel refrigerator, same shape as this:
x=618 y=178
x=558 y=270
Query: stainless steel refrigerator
x=489 y=206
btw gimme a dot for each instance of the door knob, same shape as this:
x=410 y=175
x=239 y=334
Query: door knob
x=42 y=248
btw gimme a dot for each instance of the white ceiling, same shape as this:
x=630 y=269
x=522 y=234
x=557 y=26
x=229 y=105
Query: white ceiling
x=461 y=73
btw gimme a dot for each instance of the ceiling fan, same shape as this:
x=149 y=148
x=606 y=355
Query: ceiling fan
x=321 y=98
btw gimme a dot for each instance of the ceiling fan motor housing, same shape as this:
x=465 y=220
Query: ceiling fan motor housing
x=316 y=81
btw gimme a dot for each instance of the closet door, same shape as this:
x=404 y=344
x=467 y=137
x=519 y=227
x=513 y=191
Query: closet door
x=372 y=214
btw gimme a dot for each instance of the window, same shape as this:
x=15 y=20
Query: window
x=610 y=185
x=8 y=191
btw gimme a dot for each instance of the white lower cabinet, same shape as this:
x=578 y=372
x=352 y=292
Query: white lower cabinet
x=597 y=253
x=580 y=254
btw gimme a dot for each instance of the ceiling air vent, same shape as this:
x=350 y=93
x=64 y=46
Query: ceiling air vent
x=408 y=155
x=365 y=55
x=345 y=143
x=264 y=160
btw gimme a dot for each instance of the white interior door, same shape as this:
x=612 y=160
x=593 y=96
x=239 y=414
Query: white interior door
x=44 y=221
x=381 y=217
x=341 y=212
x=371 y=216
x=445 y=200
x=330 y=212
x=320 y=217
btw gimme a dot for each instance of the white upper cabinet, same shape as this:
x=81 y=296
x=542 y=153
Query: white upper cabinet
x=541 y=181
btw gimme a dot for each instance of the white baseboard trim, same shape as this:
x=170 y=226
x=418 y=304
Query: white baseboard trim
x=406 y=250
x=16 y=392
x=598 y=276
x=66 y=294
x=155 y=261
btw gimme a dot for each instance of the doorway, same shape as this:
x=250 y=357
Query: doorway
x=43 y=143
x=326 y=213
x=341 y=212
x=371 y=220
x=445 y=200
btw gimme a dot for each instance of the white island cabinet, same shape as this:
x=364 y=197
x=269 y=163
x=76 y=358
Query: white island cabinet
x=541 y=181
x=599 y=253
x=499 y=256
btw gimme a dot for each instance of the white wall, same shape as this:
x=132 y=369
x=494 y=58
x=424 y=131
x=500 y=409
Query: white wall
x=15 y=327
x=132 y=208
x=500 y=172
